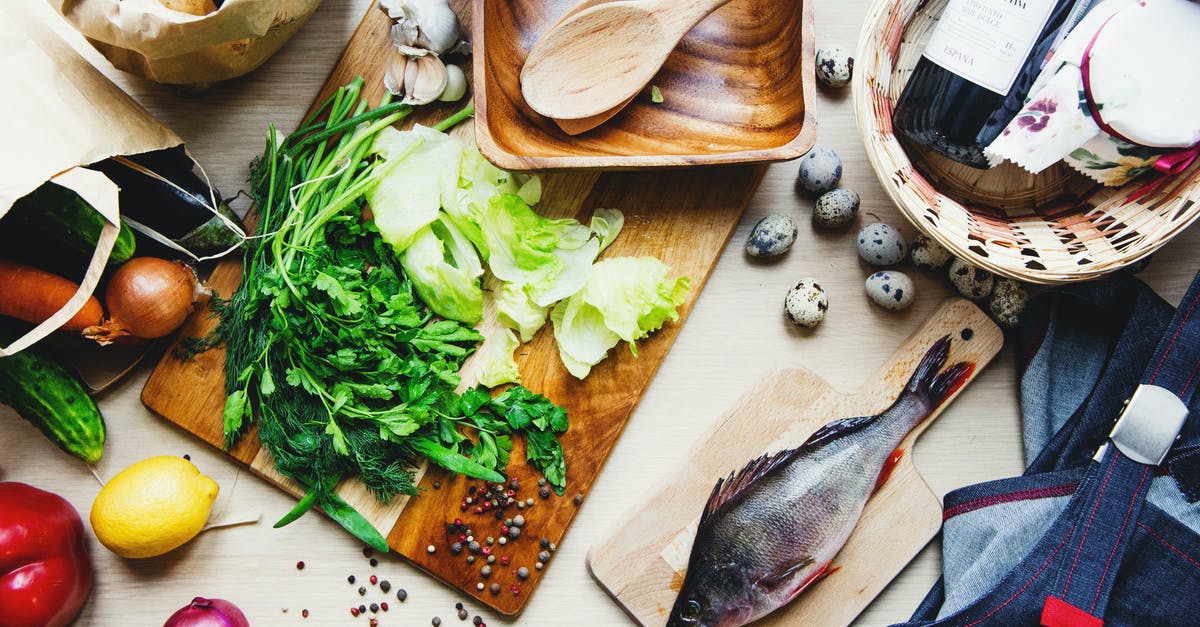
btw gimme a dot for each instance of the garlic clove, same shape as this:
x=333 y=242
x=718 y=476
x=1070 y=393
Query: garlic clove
x=412 y=52
x=428 y=80
x=393 y=73
x=456 y=84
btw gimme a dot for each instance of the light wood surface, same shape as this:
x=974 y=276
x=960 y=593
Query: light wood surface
x=683 y=217
x=644 y=563
x=735 y=335
x=737 y=88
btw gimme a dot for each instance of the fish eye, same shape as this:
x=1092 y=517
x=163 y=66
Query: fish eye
x=691 y=611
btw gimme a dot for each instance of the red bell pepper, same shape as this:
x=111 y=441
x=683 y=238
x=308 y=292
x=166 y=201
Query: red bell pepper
x=45 y=573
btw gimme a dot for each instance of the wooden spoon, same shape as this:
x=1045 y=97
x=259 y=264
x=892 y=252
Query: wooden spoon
x=604 y=55
x=583 y=125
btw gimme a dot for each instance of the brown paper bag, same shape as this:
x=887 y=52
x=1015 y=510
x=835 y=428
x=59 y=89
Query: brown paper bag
x=146 y=38
x=59 y=112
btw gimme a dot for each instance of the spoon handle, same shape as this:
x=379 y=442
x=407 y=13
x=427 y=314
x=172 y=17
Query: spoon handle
x=682 y=15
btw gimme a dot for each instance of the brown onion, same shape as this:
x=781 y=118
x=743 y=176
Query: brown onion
x=147 y=298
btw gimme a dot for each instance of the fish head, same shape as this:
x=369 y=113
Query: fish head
x=721 y=596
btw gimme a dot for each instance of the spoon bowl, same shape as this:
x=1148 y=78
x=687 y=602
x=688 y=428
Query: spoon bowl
x=601 y=57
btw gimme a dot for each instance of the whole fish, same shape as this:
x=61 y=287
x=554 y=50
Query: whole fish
x=772 y=529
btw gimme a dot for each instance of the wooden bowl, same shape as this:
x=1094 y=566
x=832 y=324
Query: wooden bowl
x=737 y=89
x=1054 y=227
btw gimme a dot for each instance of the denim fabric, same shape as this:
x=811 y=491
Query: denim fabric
x=1112 y=539
x=1165 y=495
x=981 y=544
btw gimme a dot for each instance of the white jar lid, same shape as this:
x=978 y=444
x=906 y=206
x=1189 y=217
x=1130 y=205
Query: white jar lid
x=1144 y=73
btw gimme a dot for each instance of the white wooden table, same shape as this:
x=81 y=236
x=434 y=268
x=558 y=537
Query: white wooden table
x=736 y=333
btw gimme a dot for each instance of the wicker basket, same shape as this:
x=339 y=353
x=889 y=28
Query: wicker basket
x=1055 y=227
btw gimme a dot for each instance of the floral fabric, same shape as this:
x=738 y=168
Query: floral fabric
x=1056 y=122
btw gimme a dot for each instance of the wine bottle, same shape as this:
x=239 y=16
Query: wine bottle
x=981 y=60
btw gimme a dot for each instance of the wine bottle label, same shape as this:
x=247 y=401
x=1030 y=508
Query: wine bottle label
x=987 y=41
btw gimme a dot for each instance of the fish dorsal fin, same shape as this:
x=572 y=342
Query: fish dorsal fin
x=837 y=429
x=729 y=487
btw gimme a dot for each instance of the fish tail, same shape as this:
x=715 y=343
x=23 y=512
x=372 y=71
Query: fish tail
x=932 y=383
x=947 y=382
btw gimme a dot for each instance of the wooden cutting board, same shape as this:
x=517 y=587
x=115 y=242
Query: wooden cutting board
x=643 y=564
x=683 y=217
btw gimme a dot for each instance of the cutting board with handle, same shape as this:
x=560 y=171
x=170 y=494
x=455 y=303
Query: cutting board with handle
x=683 y=217
x=643 y=564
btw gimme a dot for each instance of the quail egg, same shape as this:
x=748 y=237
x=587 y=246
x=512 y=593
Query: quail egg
x=1008 y=302
x=835 y=66
x=928 y=254
x=771 y=236
x=835 y=209
x=820 y=170
x=806 y=303
x=972 y=282
x=881 y=244
x=891 y=290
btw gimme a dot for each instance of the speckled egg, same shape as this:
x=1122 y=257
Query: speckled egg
x=881 y=244
x=806 y=303
x=835 y=66
x=891 y=290
x=835 y=209
x=820 y=170
x=772 y=236
x=972 y=282
x=928 y=254
x=1009 y=299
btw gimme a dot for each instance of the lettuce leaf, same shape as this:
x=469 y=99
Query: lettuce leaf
x=515 y=310
x=607 y=224
x=625 y=298
x=445 y=271
x=550 y=258
x=422 y=171
x=496 y=363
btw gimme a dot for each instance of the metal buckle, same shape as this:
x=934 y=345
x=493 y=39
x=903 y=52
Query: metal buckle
x=1148 y=427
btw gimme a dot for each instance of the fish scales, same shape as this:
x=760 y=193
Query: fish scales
x=772 y=529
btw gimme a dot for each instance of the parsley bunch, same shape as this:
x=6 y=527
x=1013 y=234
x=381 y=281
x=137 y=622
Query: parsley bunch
x=329 y=351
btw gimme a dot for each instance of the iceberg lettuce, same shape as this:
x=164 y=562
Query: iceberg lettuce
x=625 y=298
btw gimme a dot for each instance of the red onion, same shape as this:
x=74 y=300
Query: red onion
x=147 y=298
x=202 y=612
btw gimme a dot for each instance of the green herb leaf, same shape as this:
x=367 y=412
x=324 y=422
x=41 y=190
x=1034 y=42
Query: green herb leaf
x=346 y=516
x=452 y=461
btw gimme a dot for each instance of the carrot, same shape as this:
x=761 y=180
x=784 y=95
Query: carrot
x=32 y=295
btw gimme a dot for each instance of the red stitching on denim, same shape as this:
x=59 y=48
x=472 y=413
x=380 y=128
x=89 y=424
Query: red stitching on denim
x=1008 y=497
x=1169 y=545
x=1178 y=330
x=1124 y=523
x=1191 y=378
x=1091 y=517
x=1027 y=583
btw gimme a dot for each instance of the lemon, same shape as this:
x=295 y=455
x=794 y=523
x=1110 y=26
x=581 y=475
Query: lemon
x=152 y=507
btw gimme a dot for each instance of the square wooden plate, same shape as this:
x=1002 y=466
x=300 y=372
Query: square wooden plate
x=739 y=88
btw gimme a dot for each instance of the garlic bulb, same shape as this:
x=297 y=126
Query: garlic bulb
x=428 y=24
x=420 y=79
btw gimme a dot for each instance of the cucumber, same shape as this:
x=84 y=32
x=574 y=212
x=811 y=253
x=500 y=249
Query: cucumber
x=46 y=394
x=56 y=216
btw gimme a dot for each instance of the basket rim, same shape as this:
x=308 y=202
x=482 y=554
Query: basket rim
x=901 y=181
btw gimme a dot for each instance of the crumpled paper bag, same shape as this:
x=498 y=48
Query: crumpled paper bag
x=146 y=38
x=58 y=113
